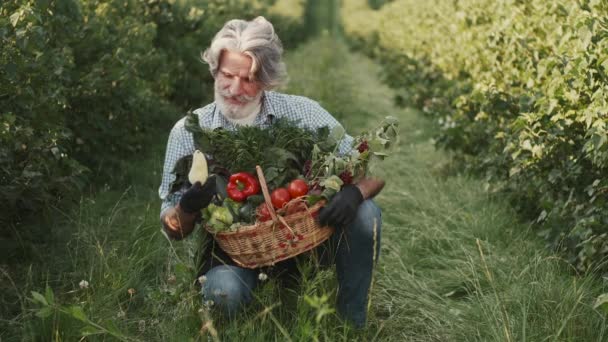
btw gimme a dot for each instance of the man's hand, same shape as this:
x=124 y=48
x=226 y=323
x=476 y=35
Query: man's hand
x=178 y=224
x=342 y=209
x=198 y=196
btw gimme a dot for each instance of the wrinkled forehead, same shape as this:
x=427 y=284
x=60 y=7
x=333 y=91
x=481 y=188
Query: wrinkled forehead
x=237 y=63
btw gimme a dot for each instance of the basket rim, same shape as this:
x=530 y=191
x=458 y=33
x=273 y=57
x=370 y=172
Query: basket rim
x=254 y=226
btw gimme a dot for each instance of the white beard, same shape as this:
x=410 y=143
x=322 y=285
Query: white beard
x=250 y=105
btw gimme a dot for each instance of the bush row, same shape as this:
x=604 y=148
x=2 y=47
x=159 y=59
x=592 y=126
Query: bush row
x=87 y=83
x=520 y=89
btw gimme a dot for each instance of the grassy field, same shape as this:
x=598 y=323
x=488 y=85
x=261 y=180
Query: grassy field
x=455 y=265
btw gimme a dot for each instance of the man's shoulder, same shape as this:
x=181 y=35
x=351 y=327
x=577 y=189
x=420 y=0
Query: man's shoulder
x=290 y=104
x=205 y=115
x=290 y=99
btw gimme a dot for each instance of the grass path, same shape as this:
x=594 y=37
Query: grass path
x=455 y=263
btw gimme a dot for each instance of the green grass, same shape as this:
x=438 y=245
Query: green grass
x=456 y=264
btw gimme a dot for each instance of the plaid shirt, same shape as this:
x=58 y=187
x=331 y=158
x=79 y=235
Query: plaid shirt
x=274 y=105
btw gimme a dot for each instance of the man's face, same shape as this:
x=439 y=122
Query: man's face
x=235 y=93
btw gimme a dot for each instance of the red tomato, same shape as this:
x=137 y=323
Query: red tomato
x=262 y=213
x=297 y=188
x=279 y=197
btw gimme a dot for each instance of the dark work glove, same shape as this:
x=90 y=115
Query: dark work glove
x=198 y=196
x=342 y=209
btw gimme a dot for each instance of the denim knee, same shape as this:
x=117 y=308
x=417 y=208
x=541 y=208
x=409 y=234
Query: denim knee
x=368 y=222
x=367 y=226
x=229 y=287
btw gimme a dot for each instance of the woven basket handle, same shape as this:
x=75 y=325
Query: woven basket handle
x=273 y=213
x=264 y=187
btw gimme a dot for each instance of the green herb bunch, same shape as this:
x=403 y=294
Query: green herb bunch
x=281 y=149
x=286 y=151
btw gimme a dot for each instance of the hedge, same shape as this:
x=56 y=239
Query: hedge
x=85 y=84
x=520 y=90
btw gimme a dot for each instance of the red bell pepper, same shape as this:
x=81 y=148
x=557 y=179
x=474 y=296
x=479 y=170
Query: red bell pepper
x=242 y=185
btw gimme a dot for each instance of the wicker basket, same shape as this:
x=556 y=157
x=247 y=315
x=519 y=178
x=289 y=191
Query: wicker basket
x=283 y=237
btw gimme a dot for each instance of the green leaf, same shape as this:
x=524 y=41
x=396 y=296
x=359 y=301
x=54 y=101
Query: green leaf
x=605 y=65
x=11 y=70
x=585 y=36
x=113 y=329
x=192 y=124
x=601 y=303
x=537 y=151
x=391 y=120
x=221 y=183
x=391 y=133
x=271 y=174
x=44 y=312
x=315 y=152
x=280 y=156
x=14 y=18
x=333 y=182
x=313 y=199
x=39 y=298
x=526 y=145
x=376 y=144
x=328 y=193
x=78 y=313
x=542 y=216
x=89 y=330
x=48 y=294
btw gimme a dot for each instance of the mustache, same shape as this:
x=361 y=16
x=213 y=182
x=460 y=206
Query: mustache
x=240 y=98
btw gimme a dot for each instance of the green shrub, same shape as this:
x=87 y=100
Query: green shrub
x=36 y=64
x=521 y=90
x=86 y=84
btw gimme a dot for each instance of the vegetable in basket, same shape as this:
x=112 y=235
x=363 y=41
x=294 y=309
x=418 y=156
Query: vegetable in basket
x=242 y=185
x=262 y=213
x=218 y=217
x=199 y=170
x=297 y=188
x=279 y=197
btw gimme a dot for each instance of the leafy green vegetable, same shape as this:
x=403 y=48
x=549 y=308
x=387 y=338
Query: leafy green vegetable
x=280 y=150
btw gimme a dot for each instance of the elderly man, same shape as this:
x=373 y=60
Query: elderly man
x=245 y=61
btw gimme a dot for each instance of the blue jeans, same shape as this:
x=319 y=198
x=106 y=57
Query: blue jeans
x=229 y=287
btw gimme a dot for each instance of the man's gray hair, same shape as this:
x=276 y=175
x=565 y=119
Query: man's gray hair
x=256 y=39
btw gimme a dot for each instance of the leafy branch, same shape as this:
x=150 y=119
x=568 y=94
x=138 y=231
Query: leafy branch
x=48 y=306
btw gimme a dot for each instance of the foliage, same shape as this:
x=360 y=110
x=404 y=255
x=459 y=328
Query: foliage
x=331 y=170
x=376 y=4
x=47 y=307
x=86 y=83
x=520 y=89
x=286 y=151
x=34 y=93
x=281 y=149
x=429 y=284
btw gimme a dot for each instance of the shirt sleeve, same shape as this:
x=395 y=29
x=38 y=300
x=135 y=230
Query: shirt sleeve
x=179 y=144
